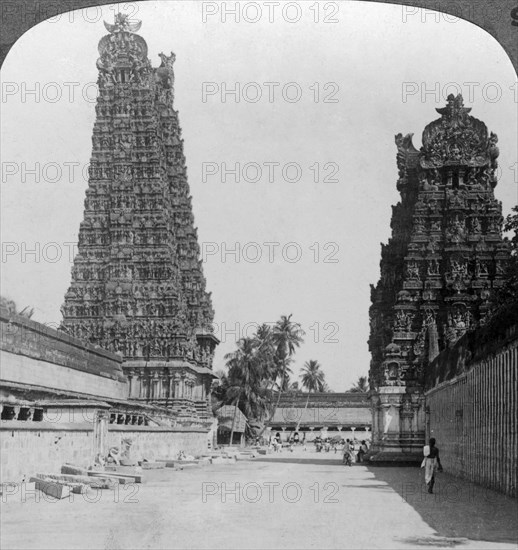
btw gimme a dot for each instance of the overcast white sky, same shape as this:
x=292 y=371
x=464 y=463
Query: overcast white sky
x=370 y=55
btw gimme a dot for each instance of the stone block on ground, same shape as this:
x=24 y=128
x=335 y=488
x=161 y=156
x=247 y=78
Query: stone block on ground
x=75 y=486
x=168 y=463
x=123 y=478
x=152 y=465
x=74 y=470
x=52 y=488
x=95 y=483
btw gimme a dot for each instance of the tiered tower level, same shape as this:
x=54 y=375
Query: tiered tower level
x=440 y=266
x=137 y=282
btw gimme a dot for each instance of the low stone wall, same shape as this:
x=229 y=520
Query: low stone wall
x=153 y=443
x=26 y=450
x=471 y=406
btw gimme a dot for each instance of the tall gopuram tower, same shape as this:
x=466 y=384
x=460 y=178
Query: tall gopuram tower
x=443 y=260
x=137 y=280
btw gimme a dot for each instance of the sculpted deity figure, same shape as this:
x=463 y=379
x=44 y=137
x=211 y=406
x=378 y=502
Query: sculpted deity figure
x=476 y=226
x=459 y=268
x=403 y=321
x=413 y=271
x=433 y=267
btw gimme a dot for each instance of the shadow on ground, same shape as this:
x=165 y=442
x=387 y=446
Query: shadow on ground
x=458 y=509
x=298 y=460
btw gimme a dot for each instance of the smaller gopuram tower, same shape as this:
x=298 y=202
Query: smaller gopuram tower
x=438 y=270
x=138 y=287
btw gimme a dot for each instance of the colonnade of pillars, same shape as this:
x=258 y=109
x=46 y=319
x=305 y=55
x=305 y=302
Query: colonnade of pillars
x=165 y=384
x=312 y=432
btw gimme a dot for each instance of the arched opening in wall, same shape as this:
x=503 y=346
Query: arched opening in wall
x=8 y=412
x=291 y=155
x=24 y=414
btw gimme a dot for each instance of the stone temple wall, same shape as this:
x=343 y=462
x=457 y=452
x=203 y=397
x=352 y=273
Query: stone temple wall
x=471 y=409
x=36 y=355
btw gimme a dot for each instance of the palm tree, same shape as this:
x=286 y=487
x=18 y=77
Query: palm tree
x=245 y=387
x=286 y=338
x=313 y=379
x=264 y=344
x=361 y=386
x=278 y=344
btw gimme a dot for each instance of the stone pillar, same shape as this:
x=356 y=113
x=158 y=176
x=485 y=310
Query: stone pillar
x=130 y=376
x=170 y=393
x=100 y=434
x=154 y=385
x=161 y=387
x=397 y=436
x=142 y=384
x=177 y=393
x=182 y=385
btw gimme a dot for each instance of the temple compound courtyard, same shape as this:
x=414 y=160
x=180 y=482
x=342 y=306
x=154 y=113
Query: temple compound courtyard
x=288 y=500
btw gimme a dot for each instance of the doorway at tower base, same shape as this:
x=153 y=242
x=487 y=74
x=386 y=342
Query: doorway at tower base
x=398 y=426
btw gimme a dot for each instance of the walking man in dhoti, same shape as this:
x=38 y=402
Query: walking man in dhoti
x=431 y=464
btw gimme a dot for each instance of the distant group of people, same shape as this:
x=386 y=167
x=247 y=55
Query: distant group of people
x=352 y=449
x=276 y=442
x=355 y=447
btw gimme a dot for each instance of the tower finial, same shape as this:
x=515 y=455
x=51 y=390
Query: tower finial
x=454 y=107
x=122 y=24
